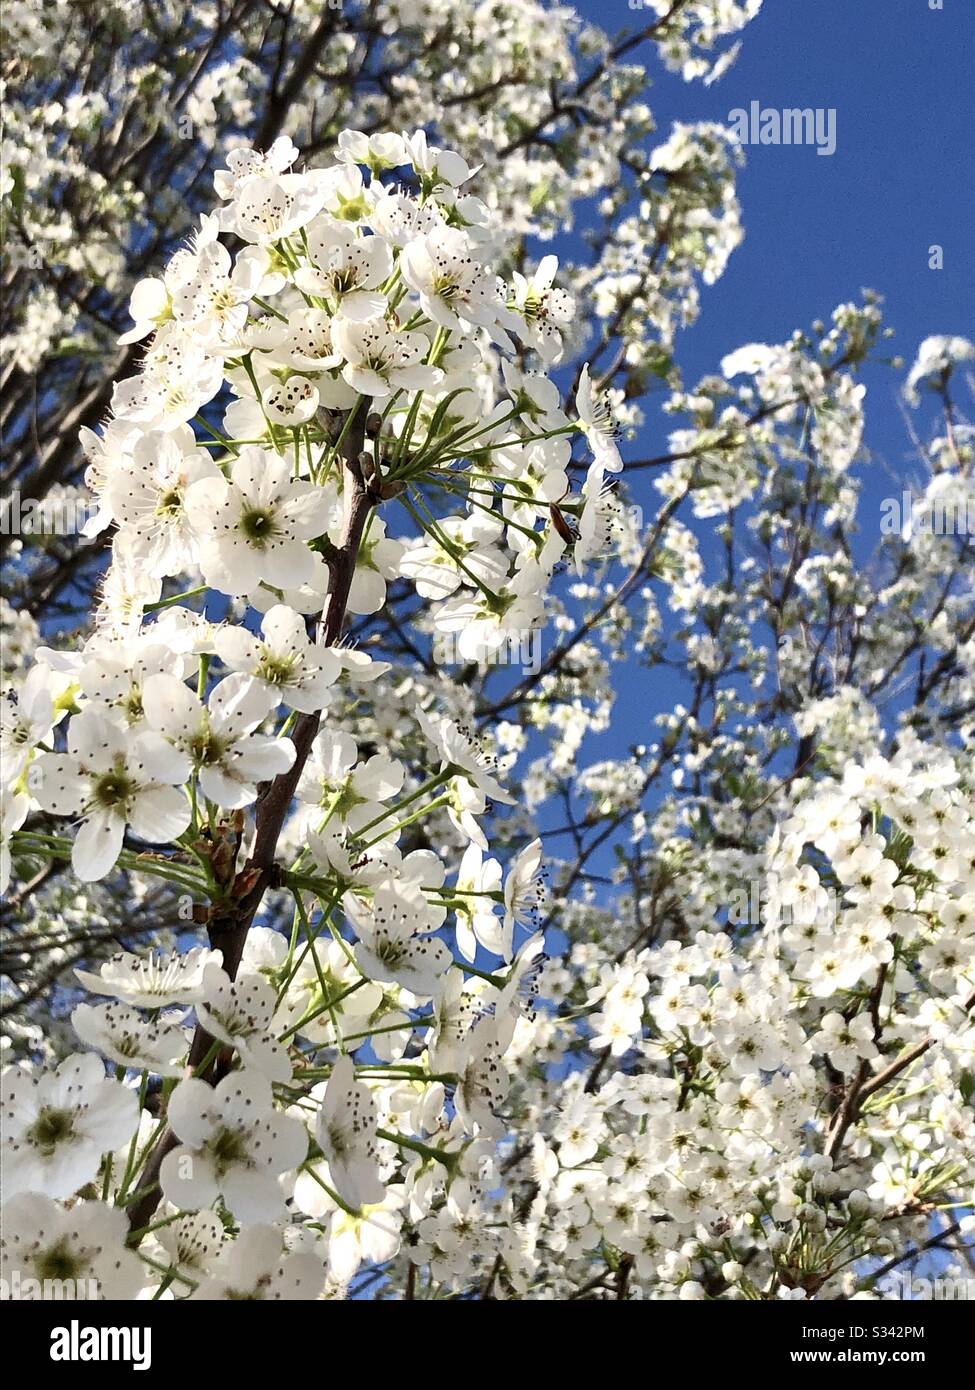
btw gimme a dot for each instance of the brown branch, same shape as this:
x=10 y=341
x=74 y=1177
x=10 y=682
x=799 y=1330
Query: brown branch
x=904 y=1059
x=228 y=930
x=281 y=99
x=860 y=1089
x=933 y=1244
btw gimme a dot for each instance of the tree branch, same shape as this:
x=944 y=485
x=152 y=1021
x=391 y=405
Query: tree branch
x=228 y=930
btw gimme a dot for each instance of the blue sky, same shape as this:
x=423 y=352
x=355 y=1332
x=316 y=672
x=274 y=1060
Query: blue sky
x=819 y=228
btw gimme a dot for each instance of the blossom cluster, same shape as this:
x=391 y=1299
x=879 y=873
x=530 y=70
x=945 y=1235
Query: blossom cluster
x=296 y=1011
x=359 y=350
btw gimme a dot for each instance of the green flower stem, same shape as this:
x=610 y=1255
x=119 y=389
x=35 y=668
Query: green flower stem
x=449 y=1161
x=495 y=980
x=248 y=366
x=463 y=436
x=175 y=598
x=294 y=965
x=327 y=1006
x=434 y=782
x=130 y=1162
x=269 y=309
x=350 y=1211
x=401 y=825
x=465 y=493
x=168 y=1271
x=58 y=847
x=135 y=1236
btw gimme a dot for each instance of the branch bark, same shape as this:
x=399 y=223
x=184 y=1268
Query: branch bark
x=861 y=1089
x=228 y=931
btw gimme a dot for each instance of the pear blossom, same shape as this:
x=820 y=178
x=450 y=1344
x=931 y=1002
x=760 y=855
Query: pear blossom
x=213 y=293
x=244 y=163
x=83 y=1246
x=178 y=377
x=255 y=1266
x=233 y=1144
x=290 y=403
x=380 y=360
x=347 y=270
x=189 y=1245
x=468 y=553
x=58 y=1124
x=335 y=779
x=524 y=887
x=547 y=311
x=596 y=419
x=483 y=1080
x=113 y=782
x=936 y=358
x=148 y=498
x=267 y=208
x=384 y=150
x=113 y=673
x=393 y=946
x=239 y=1013
x=597 y=520
x=124 y=1037
x=327 y=1000
x=373 y=1235
x=287 y=664
x=153 y=981
x=477 y=920
x=459 y=750
x=26 y=720
x=218 y=739
x=438 y=165
x=845 y=1041
x=455 y=289
x=255 y=524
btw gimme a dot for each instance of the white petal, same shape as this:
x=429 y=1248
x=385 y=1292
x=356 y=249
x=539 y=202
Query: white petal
x=284 y=629
x=188 y=1179
x=253 y=1196
x=171 y=707
x=224 y=790
x=237 y=648
x=159 y=760
x=261 y=758
x=95 y=739
x=287 y=564
x=362 y=305
x=97 y=845
x=159 y=814
x=189 y=1111
x=55 y=781
x=237 y=704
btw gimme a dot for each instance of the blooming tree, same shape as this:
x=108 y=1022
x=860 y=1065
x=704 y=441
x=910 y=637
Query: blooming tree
x=276 y=858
